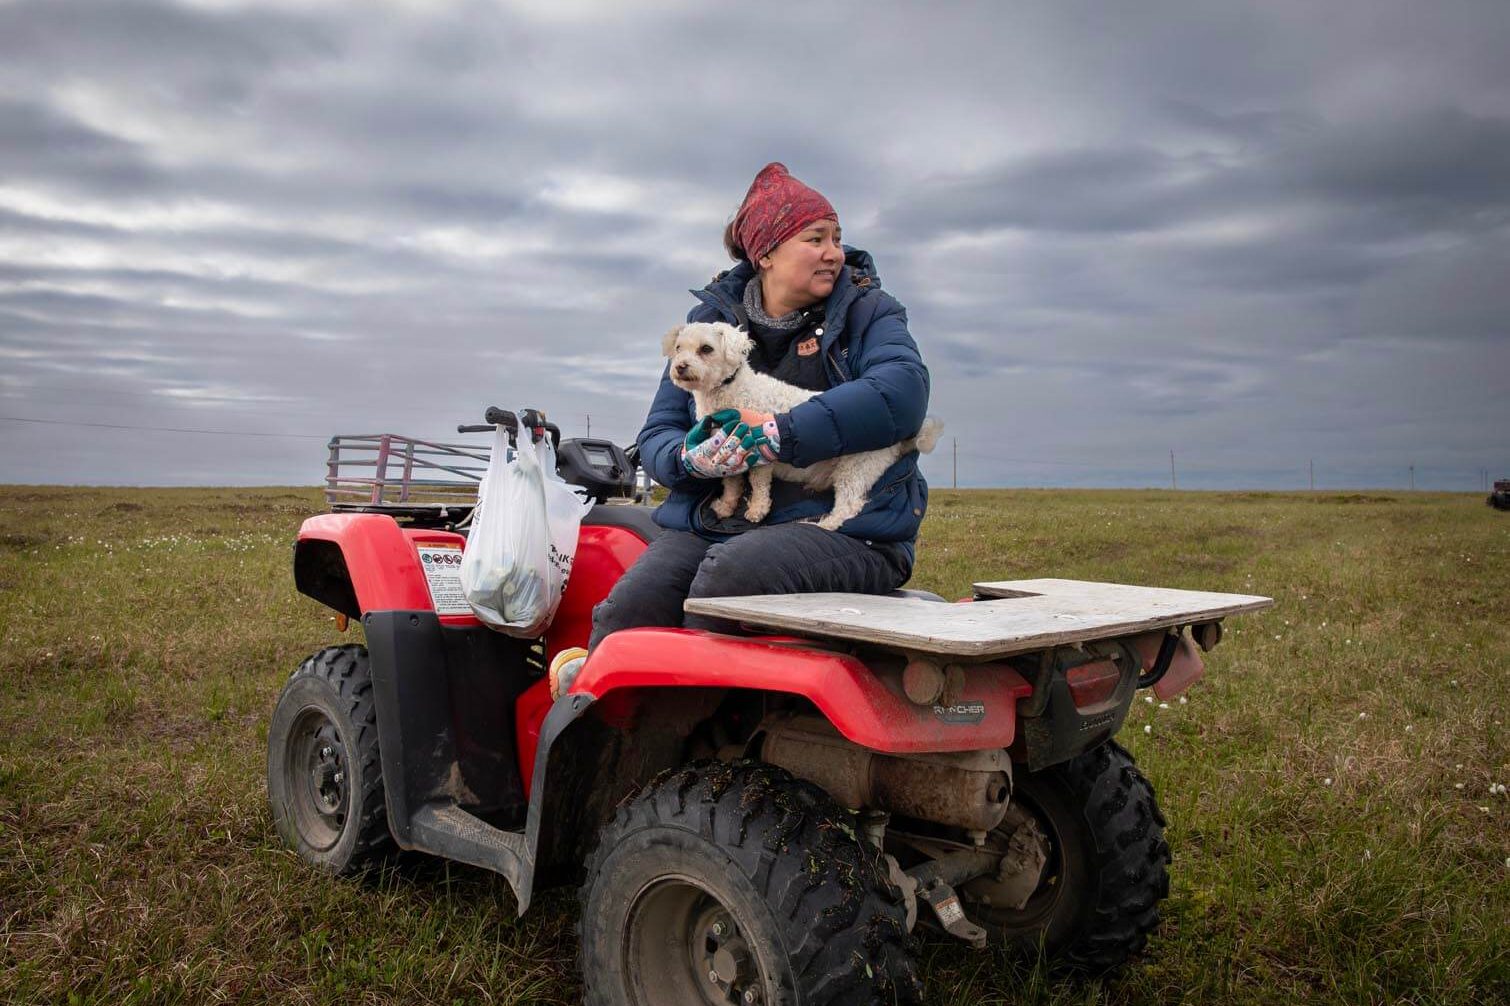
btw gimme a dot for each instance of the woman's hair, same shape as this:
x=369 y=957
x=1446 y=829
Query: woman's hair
x=732 y=245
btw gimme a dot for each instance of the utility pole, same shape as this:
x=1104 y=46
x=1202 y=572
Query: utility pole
x=1313 y=475
x=1412 y=478
x=1173 y=483
x=956 y=462
x=589 y=426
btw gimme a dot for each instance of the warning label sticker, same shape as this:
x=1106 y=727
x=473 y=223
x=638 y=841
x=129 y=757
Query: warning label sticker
x=949 y=911
x=442 y=566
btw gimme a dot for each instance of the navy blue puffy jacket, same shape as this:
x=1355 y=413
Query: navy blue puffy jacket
x=878 y=396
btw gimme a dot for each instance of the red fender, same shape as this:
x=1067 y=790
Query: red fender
x=603 y=554
x=382 y=560
x=867 y=708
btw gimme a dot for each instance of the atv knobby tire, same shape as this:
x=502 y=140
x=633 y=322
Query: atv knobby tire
x=1107 y=866
x=324 y=776
x=737 y=883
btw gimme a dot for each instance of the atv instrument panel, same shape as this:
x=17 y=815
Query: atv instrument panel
x=599 y=466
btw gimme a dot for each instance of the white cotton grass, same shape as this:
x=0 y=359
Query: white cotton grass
x=1147 y=728
x=1327 y=781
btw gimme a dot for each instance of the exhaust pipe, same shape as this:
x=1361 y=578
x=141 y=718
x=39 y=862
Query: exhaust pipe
x=967 y=789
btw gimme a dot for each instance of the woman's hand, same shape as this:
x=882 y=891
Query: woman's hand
x=760 y=434
x=724 y=443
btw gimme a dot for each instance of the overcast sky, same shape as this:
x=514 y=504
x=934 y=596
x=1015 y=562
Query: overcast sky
x=1253 y=234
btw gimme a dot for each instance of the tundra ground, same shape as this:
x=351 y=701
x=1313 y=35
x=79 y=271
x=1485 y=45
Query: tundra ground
x=1332 y=786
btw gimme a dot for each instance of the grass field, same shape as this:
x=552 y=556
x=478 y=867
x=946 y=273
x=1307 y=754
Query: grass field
x=1331 y=786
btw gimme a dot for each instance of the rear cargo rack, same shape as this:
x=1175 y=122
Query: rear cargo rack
x=403 y=477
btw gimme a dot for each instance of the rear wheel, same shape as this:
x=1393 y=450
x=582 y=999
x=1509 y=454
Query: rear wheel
x=1107 y=866
x=738 y=884
x=324 y=776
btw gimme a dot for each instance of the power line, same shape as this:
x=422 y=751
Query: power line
x=160 y=429
x=1030 y=461
x=284 y=405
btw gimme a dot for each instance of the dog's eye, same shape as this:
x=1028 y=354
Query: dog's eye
x=704 y=350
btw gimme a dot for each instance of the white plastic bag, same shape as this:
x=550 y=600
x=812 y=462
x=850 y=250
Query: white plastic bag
x=524 y=535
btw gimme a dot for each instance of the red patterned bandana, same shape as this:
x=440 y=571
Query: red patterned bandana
x=777 y=207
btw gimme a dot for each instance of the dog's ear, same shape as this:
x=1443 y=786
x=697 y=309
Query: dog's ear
x=736 y=346
x=668 y=341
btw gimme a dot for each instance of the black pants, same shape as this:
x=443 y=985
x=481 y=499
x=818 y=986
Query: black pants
x=781 y=559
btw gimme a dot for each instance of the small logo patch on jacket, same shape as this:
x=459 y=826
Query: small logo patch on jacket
x=807 y=347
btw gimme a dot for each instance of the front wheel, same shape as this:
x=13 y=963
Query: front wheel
x=1106 y=873
x=738 y=884
x=324 y=776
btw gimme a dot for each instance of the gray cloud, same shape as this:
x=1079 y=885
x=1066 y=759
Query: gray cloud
x=1254 y=235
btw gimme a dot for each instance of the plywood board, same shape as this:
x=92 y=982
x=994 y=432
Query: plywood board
x=1021 y=616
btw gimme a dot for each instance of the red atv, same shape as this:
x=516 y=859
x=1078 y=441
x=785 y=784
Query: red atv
x=755 y=818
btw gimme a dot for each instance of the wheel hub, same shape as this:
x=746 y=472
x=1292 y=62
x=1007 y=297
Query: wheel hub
x=318 y=778
x=719 y=966
x=328 y=776
x=725 y=958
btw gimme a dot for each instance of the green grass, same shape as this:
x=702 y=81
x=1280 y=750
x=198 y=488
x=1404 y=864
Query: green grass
x=144 y=635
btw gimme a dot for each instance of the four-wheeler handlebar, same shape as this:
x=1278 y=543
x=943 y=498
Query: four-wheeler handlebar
x=533 y=421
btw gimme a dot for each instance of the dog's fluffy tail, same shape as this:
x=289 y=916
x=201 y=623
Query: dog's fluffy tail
x=927 y=438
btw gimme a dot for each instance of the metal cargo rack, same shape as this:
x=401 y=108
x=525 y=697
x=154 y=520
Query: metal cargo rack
x=403 y=477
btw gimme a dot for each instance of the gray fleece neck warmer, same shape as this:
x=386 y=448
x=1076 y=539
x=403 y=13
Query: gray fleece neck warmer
x=755 y=308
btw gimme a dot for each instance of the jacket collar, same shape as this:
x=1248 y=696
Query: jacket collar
x=726 y=292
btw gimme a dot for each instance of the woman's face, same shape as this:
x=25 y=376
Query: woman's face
x=802 y=270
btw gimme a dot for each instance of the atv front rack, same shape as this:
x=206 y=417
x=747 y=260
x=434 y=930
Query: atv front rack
x=403 y=477
x=420 y=480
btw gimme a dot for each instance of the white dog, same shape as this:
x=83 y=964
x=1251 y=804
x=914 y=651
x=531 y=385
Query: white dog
x=709 y=360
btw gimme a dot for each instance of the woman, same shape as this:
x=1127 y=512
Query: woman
x=818 y=318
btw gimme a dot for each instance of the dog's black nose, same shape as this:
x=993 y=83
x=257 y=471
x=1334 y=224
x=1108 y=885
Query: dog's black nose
x=681 y=370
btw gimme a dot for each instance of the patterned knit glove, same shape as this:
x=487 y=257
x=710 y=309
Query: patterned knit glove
x=715 y=447
x=760 y=435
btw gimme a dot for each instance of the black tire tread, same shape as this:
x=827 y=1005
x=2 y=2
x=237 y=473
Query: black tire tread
x=828 y=891
x=345 y=670
x=1132 y=857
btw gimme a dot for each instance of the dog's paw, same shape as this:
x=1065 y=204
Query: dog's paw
x=830 y=523
x=725 y=509
x=755 y=512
